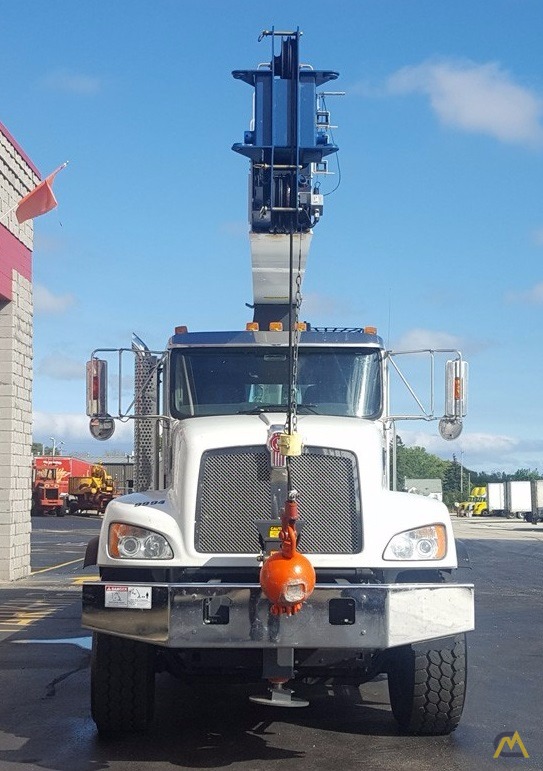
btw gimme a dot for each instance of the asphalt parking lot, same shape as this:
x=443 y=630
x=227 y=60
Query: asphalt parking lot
x=44 y=680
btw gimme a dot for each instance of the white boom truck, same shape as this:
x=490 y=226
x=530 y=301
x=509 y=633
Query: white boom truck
x=262 y=540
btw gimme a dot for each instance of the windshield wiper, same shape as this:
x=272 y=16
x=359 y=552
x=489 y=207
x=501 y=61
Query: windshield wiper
x=309 y=407
x=263 y=408
x=258 y=408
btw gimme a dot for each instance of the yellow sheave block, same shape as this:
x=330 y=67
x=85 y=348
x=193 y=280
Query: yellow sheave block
x=290 y=444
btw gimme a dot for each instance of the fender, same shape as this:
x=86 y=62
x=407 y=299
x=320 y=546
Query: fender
x=91 y=552
x=462 y=555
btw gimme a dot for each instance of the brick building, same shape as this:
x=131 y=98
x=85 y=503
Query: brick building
x=18 y=176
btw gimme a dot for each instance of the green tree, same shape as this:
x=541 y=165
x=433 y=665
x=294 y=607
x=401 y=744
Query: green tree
x=454 y=483
x=526 y=473
x=457 y=480
x=416 y=463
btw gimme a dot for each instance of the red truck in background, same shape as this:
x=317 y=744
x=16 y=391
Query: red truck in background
x=50 y=475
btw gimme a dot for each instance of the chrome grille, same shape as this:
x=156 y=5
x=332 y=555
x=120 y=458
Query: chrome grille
x=235 y=491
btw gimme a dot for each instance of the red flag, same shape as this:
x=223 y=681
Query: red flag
x=38 y=201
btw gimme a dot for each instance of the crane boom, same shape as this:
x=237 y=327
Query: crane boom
x=286 y=144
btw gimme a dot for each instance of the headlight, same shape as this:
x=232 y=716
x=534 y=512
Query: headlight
x=137 y=543
x=424 y=543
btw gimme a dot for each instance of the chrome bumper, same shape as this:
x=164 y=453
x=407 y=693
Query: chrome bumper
x=238 y=615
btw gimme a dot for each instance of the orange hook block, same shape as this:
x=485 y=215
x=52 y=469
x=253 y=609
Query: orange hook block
x=287 y=581
x=287 y=577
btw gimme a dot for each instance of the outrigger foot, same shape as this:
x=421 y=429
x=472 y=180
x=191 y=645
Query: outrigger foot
x=279 y=696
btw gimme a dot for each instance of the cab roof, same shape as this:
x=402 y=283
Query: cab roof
x=328 y=336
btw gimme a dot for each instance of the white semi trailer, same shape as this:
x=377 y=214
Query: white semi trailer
x=511 y=499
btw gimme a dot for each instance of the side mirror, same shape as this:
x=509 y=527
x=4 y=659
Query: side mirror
x=97 y=388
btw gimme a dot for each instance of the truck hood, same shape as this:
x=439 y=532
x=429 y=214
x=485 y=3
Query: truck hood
x=172 y=512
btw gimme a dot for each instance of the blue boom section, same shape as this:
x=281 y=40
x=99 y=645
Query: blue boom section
x=287 y=140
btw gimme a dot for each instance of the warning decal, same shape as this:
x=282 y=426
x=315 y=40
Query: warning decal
x=128 y=597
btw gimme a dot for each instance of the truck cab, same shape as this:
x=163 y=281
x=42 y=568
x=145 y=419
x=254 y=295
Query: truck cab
x=476 y=505
x=180 y=560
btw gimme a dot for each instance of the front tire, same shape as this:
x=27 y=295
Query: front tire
x=427 y=685
x=122 y=684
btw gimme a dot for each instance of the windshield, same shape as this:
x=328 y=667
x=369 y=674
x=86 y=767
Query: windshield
x=230 y=381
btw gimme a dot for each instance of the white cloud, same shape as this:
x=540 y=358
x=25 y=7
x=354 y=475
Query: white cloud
x=61 y=367
x=468 y=443
x=71 y=82
x=73 y=428
x=47 y=302
x=418 y=338
x=480 y=98
x=534 y=296
x=480 y=451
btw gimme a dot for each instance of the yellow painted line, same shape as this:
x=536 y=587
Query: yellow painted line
x=84 y=579
x=54 y=567
x=13 y=616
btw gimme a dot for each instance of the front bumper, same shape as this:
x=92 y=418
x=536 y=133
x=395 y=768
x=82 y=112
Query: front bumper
x=372 y=617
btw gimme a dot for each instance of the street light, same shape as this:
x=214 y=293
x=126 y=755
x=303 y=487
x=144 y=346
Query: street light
x=52 y=438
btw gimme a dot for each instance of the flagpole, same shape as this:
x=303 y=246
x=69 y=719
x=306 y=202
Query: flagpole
x=56 y=171
x=8 y=212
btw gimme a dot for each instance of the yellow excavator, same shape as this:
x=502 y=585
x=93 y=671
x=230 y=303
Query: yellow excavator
x=91 y=493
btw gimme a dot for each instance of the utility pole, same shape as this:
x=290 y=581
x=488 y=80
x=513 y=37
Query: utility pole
x=461 y=473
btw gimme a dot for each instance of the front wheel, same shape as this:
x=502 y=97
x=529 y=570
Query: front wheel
x=122 y=684
x=427 y=685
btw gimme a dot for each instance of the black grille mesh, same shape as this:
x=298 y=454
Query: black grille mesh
x=235 y=491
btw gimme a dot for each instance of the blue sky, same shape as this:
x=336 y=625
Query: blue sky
x=435 y=234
